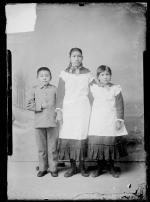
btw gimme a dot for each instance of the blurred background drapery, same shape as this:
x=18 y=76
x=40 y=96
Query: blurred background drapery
x=108 y=33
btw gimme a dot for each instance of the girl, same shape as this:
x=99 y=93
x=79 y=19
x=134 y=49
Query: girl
x=73 y=112
x=107 y=122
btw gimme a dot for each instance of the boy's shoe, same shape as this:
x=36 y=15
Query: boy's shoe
x=54 y=174
x=70 y=172
x=97 y=173
x=115 y=171
x=41 y=173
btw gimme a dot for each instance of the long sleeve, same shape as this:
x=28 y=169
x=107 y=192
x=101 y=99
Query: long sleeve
x=90 y=94
x=30 y=102
x=60 y=94
x=119 y=106
x=92 y=83
x=91 y=98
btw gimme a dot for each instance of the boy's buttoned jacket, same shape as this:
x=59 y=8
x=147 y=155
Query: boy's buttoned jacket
x=42 y=95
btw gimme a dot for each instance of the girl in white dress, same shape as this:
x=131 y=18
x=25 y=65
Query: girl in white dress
x=107 y=122
x=73 y=112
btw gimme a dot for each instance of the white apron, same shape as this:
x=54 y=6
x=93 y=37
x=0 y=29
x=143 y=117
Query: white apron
x=76 y=106
x=103 y=115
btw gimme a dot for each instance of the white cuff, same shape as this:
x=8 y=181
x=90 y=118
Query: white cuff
x=120 y=120
x=58 y=109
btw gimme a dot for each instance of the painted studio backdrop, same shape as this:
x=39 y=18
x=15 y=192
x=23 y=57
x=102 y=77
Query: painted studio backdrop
x=111 y=34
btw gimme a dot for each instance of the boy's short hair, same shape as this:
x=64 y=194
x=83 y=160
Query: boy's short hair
x=44 y=69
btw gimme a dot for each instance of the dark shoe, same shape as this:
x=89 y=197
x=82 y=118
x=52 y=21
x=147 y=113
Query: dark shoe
x=41 y=173
x=54 y=174
x=115 y=171
x=37 y=168
x=96 y=173
x=83 y=169
x=84 y=173
x=70 y=172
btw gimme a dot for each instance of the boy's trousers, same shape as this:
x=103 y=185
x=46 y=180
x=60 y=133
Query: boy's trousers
x=46 y=139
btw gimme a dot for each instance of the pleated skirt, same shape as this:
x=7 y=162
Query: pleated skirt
x=106 y=148
x=72 y=149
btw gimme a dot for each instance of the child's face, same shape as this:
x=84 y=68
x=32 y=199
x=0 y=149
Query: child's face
x=44 y=77
x=76 y=58
x=104 y=77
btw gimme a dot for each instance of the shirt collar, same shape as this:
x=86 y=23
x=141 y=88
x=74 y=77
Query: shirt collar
x=44 y=86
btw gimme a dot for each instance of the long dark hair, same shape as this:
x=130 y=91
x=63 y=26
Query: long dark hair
x=75 y=49
x=70 y=52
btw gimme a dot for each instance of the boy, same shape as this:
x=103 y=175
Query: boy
x=41 y=99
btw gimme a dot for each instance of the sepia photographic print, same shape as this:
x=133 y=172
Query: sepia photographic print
x=76 y=74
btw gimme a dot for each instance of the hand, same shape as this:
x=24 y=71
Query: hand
x=119 y=124
x=59 y=117
x=44 y=105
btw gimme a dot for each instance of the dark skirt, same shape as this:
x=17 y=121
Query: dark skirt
x=72 y=149
x=106 y=148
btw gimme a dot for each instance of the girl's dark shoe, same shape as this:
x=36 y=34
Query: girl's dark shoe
x=37 y=168
x=84 y=173
x=54 y=174
x=97 y=173
x=70 y=172
x=41 y=173
x=115 y=172
x=83 y=169
x=73 y=169
x=100 y=166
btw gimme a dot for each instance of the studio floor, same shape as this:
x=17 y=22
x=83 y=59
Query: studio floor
x=24 y=184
